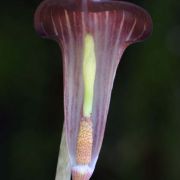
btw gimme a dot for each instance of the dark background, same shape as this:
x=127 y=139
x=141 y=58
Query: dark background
x=142 y=140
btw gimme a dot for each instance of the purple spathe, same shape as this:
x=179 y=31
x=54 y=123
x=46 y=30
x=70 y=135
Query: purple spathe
x=114 y=25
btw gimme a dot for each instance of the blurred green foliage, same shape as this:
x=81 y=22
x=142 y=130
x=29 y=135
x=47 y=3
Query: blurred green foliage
x=142 y=140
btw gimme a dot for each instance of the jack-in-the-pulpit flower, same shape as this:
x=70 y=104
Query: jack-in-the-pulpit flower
x=92 y=35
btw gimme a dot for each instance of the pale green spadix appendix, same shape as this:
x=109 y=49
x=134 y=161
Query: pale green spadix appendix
x=89 y=73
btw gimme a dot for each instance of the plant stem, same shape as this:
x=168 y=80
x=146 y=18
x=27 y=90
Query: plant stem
x=63 y=171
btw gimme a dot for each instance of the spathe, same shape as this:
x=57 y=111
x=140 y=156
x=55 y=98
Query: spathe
x=111 y=26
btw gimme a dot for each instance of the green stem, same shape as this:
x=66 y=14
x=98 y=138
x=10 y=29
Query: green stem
x=63 y=171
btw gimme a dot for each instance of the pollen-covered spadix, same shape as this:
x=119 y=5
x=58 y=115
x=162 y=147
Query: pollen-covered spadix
x=110 y=26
